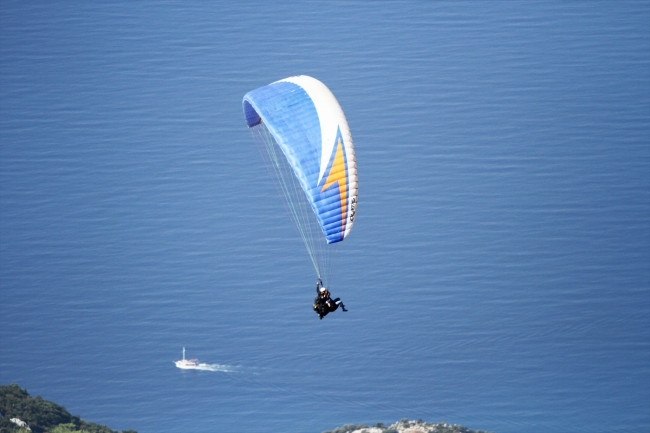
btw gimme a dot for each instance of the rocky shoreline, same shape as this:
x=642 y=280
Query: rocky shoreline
x=405 y=426
x=19 y=412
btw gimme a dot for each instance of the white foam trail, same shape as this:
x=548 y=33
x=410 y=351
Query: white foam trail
x=215 y=367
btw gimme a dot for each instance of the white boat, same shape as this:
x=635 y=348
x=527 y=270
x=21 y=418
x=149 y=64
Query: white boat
x=187 y=364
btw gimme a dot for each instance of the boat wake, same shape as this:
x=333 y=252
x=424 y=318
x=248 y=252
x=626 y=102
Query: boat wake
x=215 y=367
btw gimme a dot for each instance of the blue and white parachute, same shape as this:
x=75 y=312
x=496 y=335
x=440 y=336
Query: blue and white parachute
x=306 y=142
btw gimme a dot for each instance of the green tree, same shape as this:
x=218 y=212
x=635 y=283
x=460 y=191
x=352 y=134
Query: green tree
x=67 y=428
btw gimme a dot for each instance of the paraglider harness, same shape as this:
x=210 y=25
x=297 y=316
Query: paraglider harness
x=323 y=304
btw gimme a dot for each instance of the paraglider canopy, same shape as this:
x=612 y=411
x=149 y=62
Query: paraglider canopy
x=301 y=118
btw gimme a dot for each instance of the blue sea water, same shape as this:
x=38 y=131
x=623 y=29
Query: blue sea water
x=498 y=274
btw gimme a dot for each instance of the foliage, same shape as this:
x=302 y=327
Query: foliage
x=67 y=428
x=42 y=416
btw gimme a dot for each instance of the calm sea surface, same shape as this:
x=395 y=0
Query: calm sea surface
x=498 y=275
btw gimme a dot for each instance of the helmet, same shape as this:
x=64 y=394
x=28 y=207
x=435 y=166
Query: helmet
x=322 y=289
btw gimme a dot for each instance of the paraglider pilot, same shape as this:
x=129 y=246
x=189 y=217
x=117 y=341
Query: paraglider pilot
x=324 y=304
